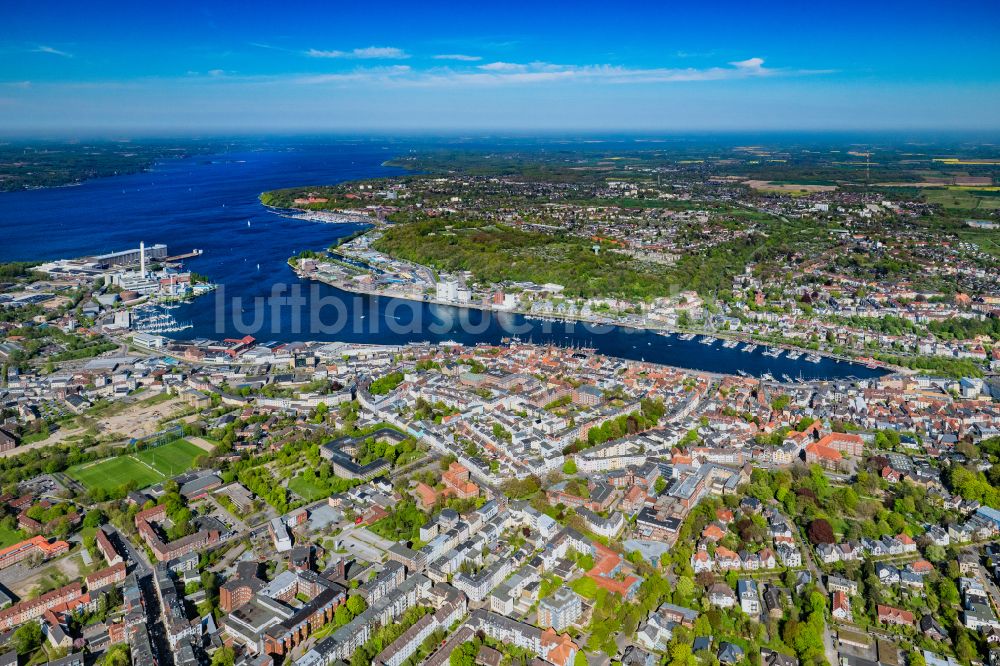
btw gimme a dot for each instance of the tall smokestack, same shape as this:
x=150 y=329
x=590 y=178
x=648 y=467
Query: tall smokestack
x=142 y=258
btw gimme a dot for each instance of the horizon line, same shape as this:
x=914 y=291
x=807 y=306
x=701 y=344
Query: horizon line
x=126 y=134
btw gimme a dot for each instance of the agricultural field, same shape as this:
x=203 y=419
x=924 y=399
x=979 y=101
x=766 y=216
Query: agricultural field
x=792 y=189
x=145 y=468
x=966 y=199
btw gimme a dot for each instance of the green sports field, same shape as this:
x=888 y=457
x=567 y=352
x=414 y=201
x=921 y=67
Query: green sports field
x=146 y=468
x=173 y=458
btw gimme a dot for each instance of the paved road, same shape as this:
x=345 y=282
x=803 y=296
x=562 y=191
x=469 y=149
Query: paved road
x=135 y=554
x=231 y=556
x=55 y=438
x=154 y=615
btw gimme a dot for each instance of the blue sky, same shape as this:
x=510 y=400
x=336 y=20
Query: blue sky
x=298 y=66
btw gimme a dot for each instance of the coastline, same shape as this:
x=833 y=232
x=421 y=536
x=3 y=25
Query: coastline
x=147 y=167
x=374 y=223
x=374 y=346
x=351 y=287
x=335 y=218
x=559 y=317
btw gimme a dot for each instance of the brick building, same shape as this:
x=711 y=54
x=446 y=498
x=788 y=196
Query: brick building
x=145 y=522
x=68 y=596
x=37 y=545
x=109 y=576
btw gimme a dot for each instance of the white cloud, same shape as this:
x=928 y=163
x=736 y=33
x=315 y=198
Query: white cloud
x=503 y=72
x=503 y=67
x=53 y=51
x=494 y=74
x=367 y=75
x=457 y=56
x=213 y=73
x=272 y=47
x=367 y=53
x=508 y=73
x=749 y=65
x=694 y=54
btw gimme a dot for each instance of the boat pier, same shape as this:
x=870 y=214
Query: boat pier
x=181 y=257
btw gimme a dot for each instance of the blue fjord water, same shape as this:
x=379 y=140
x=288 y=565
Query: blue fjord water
x=211 y=203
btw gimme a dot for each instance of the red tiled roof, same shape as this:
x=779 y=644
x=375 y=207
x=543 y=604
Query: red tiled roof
x=821 y=451
x=427 y=494
x=606 y=562
x=844 y=437
x=713 y=532
x=896 y=615
x=560 y=649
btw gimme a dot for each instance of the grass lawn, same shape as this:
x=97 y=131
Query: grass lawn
x=325 y=630
x=409 y=457
x=146 y=468
x=10 y=537
x=585 y=586
x=37 y=437
x=156 y=399
x=308 y=491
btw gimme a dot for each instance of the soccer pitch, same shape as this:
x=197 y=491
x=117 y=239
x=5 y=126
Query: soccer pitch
x=146 y=468
x=171 y=459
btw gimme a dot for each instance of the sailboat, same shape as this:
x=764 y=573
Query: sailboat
x=248 y=221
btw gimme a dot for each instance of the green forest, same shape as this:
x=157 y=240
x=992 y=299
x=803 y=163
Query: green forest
x=52 y=164
x=496 y=253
